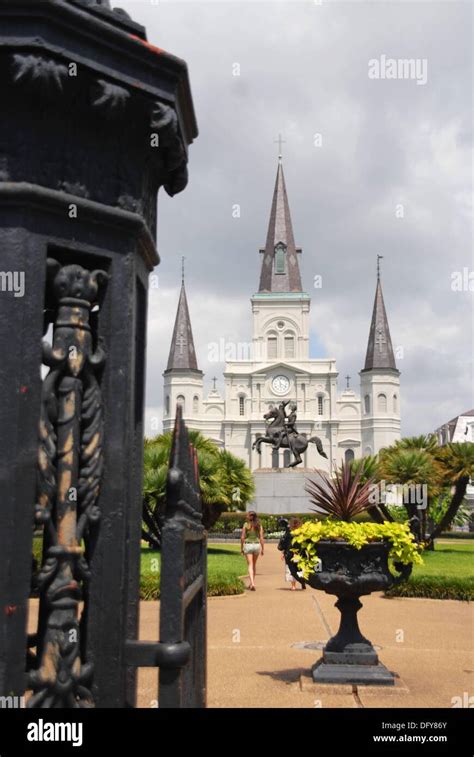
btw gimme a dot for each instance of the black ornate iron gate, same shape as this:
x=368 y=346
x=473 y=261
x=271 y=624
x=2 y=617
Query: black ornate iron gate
x=95 y=121
x=183 y=577
x=181 y=653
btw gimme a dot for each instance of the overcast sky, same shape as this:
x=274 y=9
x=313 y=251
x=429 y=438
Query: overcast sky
x=384 y=143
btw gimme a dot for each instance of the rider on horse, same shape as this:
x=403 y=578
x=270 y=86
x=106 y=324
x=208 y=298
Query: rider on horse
x=288 y=428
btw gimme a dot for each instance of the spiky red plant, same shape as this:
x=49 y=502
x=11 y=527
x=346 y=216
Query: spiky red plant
x=343 y=496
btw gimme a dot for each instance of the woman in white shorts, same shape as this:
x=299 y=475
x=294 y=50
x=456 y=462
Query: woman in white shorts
x=252 y=544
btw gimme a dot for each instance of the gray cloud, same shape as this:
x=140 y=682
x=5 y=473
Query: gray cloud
x=384 y=142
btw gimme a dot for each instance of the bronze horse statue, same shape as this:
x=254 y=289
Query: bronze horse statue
x=281 y=433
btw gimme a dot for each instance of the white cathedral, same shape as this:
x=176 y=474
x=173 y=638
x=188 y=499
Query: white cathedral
x=279 y=368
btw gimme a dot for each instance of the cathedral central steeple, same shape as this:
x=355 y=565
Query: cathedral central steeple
x=280 y=269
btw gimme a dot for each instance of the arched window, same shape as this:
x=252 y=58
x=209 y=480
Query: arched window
x=367 y=403
x=241 y=405
x=289 y=345
x=382 y=403
x=286 y=458
x=348 y=456
x=395 y=404
x=280 y=258
x=180 y=401
x=320 y=404
x=275 y=459
x=272 y=346
x=167 y=404
x=195 y=404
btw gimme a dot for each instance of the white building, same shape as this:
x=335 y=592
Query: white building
x=459 y=429
x=279 y=367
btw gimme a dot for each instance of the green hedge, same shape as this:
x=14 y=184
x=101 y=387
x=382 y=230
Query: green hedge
x=218 y=586
x=433 y=587
x=228 y=522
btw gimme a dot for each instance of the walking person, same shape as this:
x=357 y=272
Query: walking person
x=284 y=546
x=252 y=544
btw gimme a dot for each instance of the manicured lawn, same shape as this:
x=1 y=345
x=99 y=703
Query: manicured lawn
x=225 y=565
x=446 y=573
x=451 y=560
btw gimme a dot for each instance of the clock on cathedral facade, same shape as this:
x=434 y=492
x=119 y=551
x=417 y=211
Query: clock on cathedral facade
x=281 y=369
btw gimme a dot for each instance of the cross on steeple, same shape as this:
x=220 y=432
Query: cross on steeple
x=380 y=339
x=379 y=258
x=280 y=141
x=348 y=378
x=181 y=342
x=182 y=268
x=214 y=379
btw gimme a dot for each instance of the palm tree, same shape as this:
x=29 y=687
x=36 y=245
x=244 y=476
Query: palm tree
x=155 y=469
x=457 y=460
x=238 y=480
x=221 y=475
x=412 y=466
x=427 y=442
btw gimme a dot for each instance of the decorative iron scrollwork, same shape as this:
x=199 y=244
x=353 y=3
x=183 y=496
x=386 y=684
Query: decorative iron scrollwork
x=70 y=463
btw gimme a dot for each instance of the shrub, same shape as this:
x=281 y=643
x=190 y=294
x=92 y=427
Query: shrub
x=228 y=522
x=435 y=587
x=218 y=586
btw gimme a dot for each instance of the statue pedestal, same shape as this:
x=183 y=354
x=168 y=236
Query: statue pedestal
x=281 y=491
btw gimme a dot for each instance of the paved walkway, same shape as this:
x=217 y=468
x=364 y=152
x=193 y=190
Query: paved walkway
x=256 y=658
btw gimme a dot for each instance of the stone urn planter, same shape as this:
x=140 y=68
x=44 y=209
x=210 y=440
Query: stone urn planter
x=349 y=573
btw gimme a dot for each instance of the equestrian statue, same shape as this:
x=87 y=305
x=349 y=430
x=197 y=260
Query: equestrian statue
x=281 y=433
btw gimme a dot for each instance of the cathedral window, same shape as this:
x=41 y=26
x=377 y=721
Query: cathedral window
x=320 y=404
x=280 y=258
x=348 y=456
x=272 y=347
x=195 y=404
x=289 y=345
x=180 y=401
x=286 y=458
x=395 y=404
x=167 y=404
x=367 y=403
x=382 y=403
x=275 y=459
x=241 y=405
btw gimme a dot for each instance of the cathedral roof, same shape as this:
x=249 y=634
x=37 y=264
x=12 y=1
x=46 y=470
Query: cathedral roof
x=182 y=353
x=280 y=230
x=379 y=348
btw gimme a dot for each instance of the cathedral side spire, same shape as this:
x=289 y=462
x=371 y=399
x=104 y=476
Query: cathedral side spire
x=280 y=269
x=182 y=354
x=379 y=348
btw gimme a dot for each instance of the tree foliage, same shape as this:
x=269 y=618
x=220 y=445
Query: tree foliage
x=419 y=462
x=226 y=483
